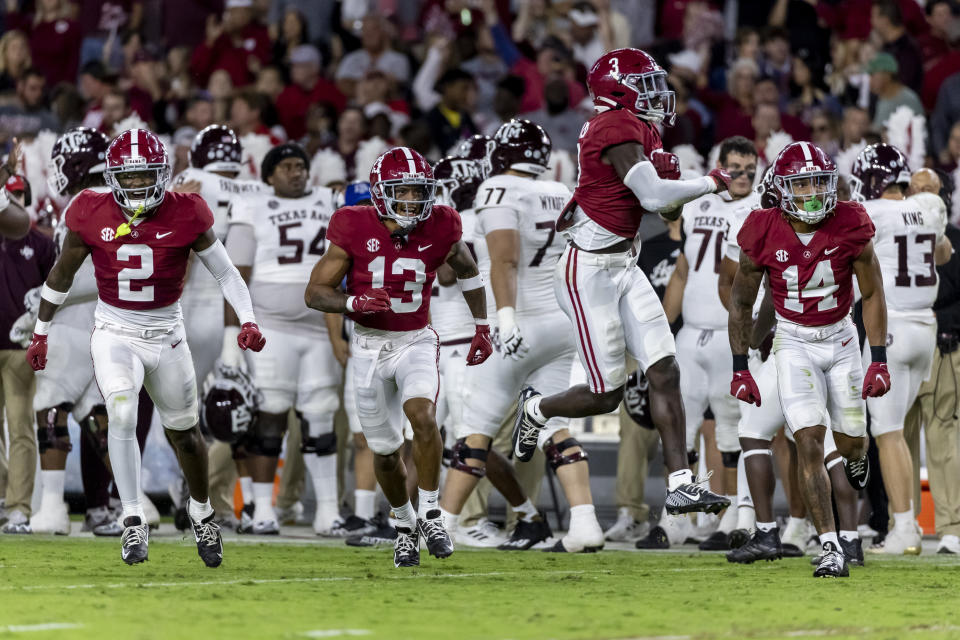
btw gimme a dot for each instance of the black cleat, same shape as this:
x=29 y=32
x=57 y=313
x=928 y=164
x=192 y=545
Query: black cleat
x=852 y=553
x=858 y=472
x=832 y=563
x=718 y=541
x=209 y=542
x=738 y=538
x=438 y=540
x=383 y=536
x=764 y=545
x=246 y=519
x=406 y=548
x=353 y=526
x=133 y=542
x=694 y=496
x=656 y=539
x=527 y=534
x=526 y=430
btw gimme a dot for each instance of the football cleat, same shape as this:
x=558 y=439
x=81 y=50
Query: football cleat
x=794 y=539
x=832 y=563
x=101 y=521
x=858 y=472
x=292 y=515
x=526 y=534
x=265 y=528
x=406 y=548
x=626 y=528
x=901 y=542
x=17 y=523
x=438 y=540
x=246 y=519
x=483 y=534
x=526 y=430
x=694 y=496
x=587 y=538
x=378 y=538
x=738 y=538
x=51 y=519
x=209 y=543
x=352 y=526
x=133 y=542
x=852 y=553
x=718 y=541
x=655 y=539
x=763 y=545
x=949 y=544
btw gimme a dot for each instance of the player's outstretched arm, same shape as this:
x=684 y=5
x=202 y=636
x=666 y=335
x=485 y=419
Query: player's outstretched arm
x=471 y=285
x=740 y=326
x=54 y=293
x=866 y=267
x=665 y=197
x=673 y=295
x=322 y=293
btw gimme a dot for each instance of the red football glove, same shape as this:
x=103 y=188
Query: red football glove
x=250 y=337
x=744 y=388
x=37 y=352
x=666 y=164
x=481 y=347
x=722 y=179
x=372 y=301
x=876 y=382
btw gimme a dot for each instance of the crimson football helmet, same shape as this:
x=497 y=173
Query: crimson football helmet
x=402 y=167
x=75 y=155
x=520 y=145
x=631 y=79
x=877 y=167
x=230 y=402
x=457 y=181
x=216 y=148
x=136 y=153
x=805 y=179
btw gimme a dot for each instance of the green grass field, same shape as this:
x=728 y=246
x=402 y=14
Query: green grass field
x=78 y=588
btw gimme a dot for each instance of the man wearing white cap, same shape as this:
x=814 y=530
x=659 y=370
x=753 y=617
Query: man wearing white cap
x=590 y=32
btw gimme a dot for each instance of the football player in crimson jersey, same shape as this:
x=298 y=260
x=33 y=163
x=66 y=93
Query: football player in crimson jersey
x=140 y=239
x=390 y=254
x=810 y=247
x=624 y=174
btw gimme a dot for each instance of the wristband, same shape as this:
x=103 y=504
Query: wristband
x=740 y=363
x=52 y=295
x=878 y=354
x=481 y=322
x=351 y=300
x=42 y=328
x=506 y=319
x=469 y=284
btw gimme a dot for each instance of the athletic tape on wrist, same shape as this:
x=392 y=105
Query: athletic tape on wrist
x=42 y=328
x=469 y=284
x=351 y=300
x=52 y=295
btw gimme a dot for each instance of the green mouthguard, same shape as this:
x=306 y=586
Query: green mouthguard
x=812 y=205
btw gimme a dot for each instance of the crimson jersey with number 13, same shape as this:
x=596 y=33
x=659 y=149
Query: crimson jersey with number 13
x=403 y=265
x=812 y=284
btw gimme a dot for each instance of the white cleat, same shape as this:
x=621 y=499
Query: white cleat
x=51 y=518
x=268 y=527
x=484 y=534
x=797 y=535
x=292 y=515
x=327 y=524
x=949 y=544
x=901 y=542
x=626 y=528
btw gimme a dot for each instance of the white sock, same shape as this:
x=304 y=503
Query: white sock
x=728 y=522
x=831 y=537
x=677 y=478
x=323 y=473
x=795 y=522
x=746 y=517
x=533 y=408
x=263 y=501
x=364 y=502
x=526 y=511
x=903 y=520
x=766 y=526
x=743 y=487
x=199 y=510
x=52 y=483
x=849 y=535
x=582 y=513
x=246 y=489
x=405 y=516
x=450 y=520
x=429 y=501
x=125 y=462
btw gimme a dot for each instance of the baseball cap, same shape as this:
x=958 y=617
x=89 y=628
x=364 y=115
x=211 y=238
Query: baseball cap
x=238 y=4
x=305 y=54
x=583 y=15
x=883 y=61
x=356 y=192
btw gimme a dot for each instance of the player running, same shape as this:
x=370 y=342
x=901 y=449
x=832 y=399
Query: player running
x=623 y=174
x=390 y=253
x=810 y=247
x=140 y=238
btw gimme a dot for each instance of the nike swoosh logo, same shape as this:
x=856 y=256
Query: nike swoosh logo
x=688 y=496
x=163 y=235
x=424 y=248
x=827 y=252
x=846 y=342
x=174 y=345
x=742 y=387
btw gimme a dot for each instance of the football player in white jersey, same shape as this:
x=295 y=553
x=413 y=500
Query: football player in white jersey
x=516 y=216
x=703 y=350
x=275 y=239
x=909 y=244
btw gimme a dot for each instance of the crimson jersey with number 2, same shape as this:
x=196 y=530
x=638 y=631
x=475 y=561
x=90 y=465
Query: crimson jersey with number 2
x=812 y=284
x=403 y=265
x=145 y=268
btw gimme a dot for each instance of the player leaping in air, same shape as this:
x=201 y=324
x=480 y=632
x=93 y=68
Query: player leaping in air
x=624 y=173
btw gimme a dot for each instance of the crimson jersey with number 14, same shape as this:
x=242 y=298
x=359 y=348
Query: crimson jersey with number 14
x=403 y=265
x=145 y=268
x=812 y=284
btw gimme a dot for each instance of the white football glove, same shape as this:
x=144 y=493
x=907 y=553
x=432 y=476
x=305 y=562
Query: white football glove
x=22 y=330
x=31 y=301
x=511 y=340
x=230 y=353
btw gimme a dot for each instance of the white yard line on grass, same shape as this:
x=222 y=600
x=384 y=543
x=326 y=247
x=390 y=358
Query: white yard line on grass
x=335 y=633
x=47 y=626
x=809 y=633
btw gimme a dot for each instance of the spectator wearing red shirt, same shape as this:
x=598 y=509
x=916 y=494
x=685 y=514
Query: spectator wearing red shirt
x=95 y=83
x=237 y=45
x=936 y=42
x=247 y=115
x=307 y=87
x=54 y=39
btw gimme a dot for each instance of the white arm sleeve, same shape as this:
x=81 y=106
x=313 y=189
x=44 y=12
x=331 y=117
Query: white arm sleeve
x=660 y=196
x=234 y=289
x=497 y=218
x=242 y=244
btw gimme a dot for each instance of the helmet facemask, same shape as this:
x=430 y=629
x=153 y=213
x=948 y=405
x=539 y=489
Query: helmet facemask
x=808 y=196
x=656 y=102
x=397 y=206
x=142 y=197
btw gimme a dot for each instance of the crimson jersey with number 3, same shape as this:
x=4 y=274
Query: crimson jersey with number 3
x=145 y=268
x=403 y=265
x=812 y=284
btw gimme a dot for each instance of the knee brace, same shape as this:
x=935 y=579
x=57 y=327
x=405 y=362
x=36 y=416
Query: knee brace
x=730 y=459
x=556 y=458
x=94 y=426
x=267 y=439
x=52 y=431
x=122 y=413
x=462 y=451
x=322 y=445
